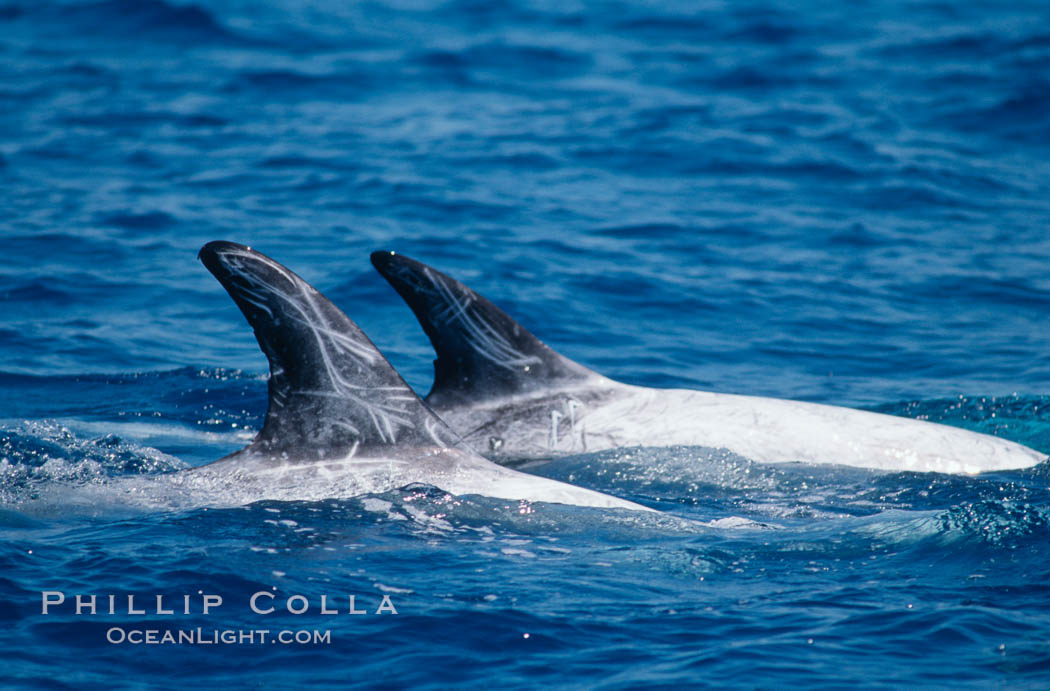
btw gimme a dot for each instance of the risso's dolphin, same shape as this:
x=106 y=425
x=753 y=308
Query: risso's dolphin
x=511 y=397
x=339 y=416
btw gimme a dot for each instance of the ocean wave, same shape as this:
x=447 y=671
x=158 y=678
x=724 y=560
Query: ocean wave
x=42 y=454
x=157 y=19
x=278 y=82
x=1004 y=523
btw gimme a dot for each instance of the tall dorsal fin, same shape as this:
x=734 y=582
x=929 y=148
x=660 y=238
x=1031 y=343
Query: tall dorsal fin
x=481 y=352
x=331 y=391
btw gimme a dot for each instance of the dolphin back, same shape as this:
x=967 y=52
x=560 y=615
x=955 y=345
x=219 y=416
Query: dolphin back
x=331 y=392
x=482 y=353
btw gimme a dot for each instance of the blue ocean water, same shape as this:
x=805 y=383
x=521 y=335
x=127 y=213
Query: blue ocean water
x=818 y=201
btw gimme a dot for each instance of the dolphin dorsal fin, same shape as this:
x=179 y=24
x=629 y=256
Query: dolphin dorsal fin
x=482 y=353
x=331 y=391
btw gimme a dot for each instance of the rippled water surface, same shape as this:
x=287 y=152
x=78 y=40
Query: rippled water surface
x=814 y=200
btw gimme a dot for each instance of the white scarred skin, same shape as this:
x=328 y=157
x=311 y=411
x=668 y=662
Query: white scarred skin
x=453 y=470
x=603 y=414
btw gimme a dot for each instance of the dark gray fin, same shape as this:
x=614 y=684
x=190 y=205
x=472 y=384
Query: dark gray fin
x=481 y=352
x=331 y=391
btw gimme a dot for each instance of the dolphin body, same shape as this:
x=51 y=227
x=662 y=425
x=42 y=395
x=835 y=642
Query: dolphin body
x=341 y=421
x=511 y=397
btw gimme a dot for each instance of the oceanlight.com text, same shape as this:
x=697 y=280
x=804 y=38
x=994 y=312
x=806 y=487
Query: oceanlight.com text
x=200 y=636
